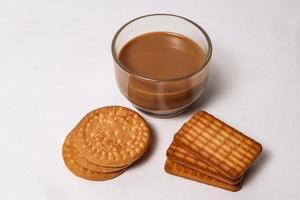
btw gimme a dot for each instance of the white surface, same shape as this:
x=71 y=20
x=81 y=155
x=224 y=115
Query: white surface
x=56 y=65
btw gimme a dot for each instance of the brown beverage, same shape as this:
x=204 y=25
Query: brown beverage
x=162 y=56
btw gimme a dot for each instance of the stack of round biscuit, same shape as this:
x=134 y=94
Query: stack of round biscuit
x=105 y=143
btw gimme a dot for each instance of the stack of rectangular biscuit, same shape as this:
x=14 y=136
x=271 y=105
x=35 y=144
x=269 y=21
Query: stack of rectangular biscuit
x=207 y=150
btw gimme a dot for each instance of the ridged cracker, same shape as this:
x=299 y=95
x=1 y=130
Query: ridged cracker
x=82 y=172
x=218 y=144
x=177 y=169
x=112 y=136
x=181 y=156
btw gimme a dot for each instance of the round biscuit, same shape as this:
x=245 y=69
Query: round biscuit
x=112 y=136
x=82 y=172
x=87 y=164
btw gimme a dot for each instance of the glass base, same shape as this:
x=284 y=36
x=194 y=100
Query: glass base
x=165 y=113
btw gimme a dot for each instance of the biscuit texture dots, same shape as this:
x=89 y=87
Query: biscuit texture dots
x=82 y=172
x=82 y=161
x=105 y=143
x=112 y=136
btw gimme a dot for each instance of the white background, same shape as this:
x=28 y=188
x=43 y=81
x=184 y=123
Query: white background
x=56 y=65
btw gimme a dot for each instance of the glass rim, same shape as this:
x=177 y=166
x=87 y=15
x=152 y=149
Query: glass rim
x=202 y=68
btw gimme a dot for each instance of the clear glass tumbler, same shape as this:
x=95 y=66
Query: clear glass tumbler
x=164 y=98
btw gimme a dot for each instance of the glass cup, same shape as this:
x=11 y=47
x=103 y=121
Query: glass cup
x=164 y=98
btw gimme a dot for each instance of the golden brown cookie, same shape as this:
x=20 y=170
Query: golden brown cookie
x=177 y=169
x=217 y=144
x=78 y=158
x=181 y=156
x=112 y=136
x=82 y=172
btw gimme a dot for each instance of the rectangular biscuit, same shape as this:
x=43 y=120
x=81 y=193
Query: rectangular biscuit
x=181 y=156
x=177 y=169
x=217 y=144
